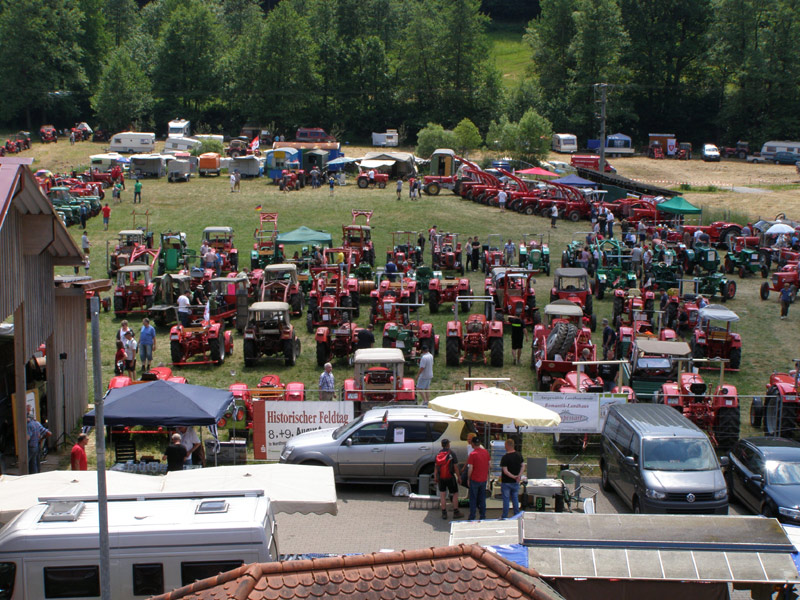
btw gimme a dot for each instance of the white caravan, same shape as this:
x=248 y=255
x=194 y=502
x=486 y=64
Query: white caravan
x=132 y=142
x=565 y=143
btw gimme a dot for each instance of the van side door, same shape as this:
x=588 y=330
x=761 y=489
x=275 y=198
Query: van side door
x=628 y=474
x=408 y=447
x=364 y=456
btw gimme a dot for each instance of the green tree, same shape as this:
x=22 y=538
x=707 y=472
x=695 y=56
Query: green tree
x=467 y=136
x=434 y=136
x=95 y=40
x=534 y=134
x=41 y=55
x=123 y=93
x=122 y=19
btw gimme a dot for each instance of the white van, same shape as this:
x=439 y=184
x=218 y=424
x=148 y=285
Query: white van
x=565 y=143
x=180 y=144
x=158 y=543
x=178 y=128
x=132 y=142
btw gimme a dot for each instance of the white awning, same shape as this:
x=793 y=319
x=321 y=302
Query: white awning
x=376 y=164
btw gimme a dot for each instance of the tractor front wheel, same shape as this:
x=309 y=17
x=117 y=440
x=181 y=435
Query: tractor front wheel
x=764 y=290
x=322 y=353
x=452 y=351
x=216 y=349
x=496 y=352
x=433 y=301
x=729 y=293
x=381 y=185
x=290 y=352
x=735 y=358
x=249 y=353
x=176 y=351
x=432 y=189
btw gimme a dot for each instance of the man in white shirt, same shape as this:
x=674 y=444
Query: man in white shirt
x=190 y=441
x=425 y=374
x=184 y=312
x=501 y=199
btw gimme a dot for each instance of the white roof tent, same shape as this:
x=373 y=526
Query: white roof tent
x=378 y=355
x=281 y=267
x=269 y=307
x=218 y=230
x=651 y=346
x=695 y=548
x=717 y=312
x=563 y=308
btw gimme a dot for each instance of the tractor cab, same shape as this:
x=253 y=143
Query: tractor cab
x=269 y=318
x=514 y=294
x=129 y=238
x=493 y=254
x=713 y=338
x=378 y=377
x=166 y=290
x=572 y=284
x=280 y=283
x=704 y=258
x=221 y=239
x=269 y=331
x=654 y=362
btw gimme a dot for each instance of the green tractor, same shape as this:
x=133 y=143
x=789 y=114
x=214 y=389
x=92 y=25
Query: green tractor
x=572 y=254
x=745 y=261
x=702 y=258
x=613 y=269
x=423 y=275
x=174 y=255
x=663 y=277
x=715 y=284
x=534 y=253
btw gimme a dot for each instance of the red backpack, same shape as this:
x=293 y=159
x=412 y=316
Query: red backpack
x=443 y=460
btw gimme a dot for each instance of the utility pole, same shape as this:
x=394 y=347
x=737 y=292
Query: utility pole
x=602 y=87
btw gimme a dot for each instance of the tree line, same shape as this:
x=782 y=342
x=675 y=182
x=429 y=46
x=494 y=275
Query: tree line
x=704 y=69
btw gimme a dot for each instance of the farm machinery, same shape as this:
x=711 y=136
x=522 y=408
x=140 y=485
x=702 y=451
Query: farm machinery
x=629 y=302
x=712 y=340
x=741 y=150
x=717 y=412
x=166 y=289
x=720 y=233
x=779 y=412
x=614 y=269
x=240 y=417
x=745 y=259
x=174 y=256
x=404 y=251
x=378 y=379
x=412 y=337
x=571 y=203
x=269 y=332
x=393 y=300
x=358 y=237
x=203 y=338
x=48 y=133
x=221 y=239
x=330 y=301
x=443 y=289
x=493 y=254
x=134 y=290
x=571 y=255
x=573 y=285
x=446 y=254
x=560 y=341
x=513 y=294
x=702 y=258
x=279 y=283
x=653 y=363
x=379 y=180
x=340 y=341
x=481 y=333
x=444 y=172
x=790 y=274
x=534 y=253
x=266 y=250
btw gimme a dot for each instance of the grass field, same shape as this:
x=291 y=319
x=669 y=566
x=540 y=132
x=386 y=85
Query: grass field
x=509 y=52
x=769 y=344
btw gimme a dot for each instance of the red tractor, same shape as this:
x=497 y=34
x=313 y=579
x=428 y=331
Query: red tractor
x=470 y=341
x=279 y=283
x=627 y=303
x=338 y=342
x=240 y=417
x=23 y=140
x=790 y=273
x=443 y=289
x=779 y=412
x=412 y=337
x=513 y=293
x=716 y=413
x=712 y=340
x=393 y=300
x=266 y=249
x=204 y=338
x=559 y=342
x=493 y=253
x=134 y=290
x=330 y=301
x=446 y=254
x=378 y=378
x=720 y=233
x=741 y=150
x=404 y=251
x=358 y=238
x=572 y=284
x=269 y=332
x=48 y=133
x=221 y=239
x=363 y=180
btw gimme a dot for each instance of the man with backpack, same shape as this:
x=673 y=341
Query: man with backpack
x=446 y=476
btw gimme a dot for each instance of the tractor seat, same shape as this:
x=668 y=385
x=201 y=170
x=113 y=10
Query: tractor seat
x=474 y=327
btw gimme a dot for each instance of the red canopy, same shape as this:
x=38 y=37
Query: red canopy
x=537 y=171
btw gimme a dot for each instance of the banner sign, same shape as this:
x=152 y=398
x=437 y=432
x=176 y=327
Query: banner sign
x=580 y=413
x=275 y=422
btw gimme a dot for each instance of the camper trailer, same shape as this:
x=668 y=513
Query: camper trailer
x=131 y=142
x=769 y=149
x=103 y=162
x=248 y=166
x=158 y=543
x=180 y=144
x=565 y=143
x=148 y=165
x=390 y=138
x=179 y=170
x=178 y=128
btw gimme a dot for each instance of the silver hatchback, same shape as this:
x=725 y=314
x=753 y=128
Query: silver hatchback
x=384 y=444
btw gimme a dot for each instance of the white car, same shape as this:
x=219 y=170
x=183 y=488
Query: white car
x=710 y=153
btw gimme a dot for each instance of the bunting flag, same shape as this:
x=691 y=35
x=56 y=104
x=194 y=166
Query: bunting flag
x=258 y=208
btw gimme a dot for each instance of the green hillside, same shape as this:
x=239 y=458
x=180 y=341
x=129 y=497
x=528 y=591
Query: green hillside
x=508 y=51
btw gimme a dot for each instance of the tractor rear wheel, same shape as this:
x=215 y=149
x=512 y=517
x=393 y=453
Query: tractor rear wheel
x=176 y=351
x=779 y=420
x=452 y=351
x=764 y=271
x=727 y=429
x=619 y=304
x=310 y=320
x=290 y=352
x=496 y=352
x=735 y=358
x=322 y=353
x=296 y=302
x=742 y=272
x=756 y=413
x=698 y=350
x=355 y=302
x=565 y=259
x=728 y=265
x=764 y=290
x=363 y=182
x=465 y=305
x=588 y=306
x=216 y=348
x=119 y=306
x=600 y=289
x=433 y=301
x=249 y=353
x=556 y=339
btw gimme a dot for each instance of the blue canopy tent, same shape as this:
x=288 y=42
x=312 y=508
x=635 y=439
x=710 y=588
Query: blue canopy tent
x=576 y=181
x=163 y=403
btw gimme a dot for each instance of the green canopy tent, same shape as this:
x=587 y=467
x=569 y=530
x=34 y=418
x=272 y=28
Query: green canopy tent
x=304 y=235
x=679 y=206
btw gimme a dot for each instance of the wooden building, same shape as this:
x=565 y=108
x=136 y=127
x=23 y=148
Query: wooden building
x=33 y=241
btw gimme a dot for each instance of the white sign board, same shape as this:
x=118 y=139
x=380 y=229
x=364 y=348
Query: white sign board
x=580 y=413
x=282 y=420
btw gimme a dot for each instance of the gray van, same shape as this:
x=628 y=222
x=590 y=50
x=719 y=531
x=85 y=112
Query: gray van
x=658 y=461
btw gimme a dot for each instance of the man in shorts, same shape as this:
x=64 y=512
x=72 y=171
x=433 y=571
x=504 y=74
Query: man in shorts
x=446 y=476
x=425 y=374
x=518 y=333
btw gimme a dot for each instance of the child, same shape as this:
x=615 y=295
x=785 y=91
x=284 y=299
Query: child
x=119 y=359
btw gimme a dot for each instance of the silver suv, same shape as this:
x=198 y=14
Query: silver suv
x=384 y=444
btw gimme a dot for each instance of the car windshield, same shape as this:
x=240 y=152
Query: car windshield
x=782 y=473
x=673 y=454
x=340 y=431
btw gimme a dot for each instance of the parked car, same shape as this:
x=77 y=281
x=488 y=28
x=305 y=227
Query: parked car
x=764 y=475
x=368 y=448
x=710 y=153
x=786 y=158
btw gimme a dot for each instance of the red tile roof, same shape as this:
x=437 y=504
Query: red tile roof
x=465 y=572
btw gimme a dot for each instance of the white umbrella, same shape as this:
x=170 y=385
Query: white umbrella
x=779 y=228
x=495 y=405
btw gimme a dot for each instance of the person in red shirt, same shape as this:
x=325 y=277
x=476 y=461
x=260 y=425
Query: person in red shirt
x=478 y=469
x=78 y=454
x=106 y=210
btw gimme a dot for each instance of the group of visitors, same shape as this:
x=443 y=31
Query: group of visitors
x=127 y=346
x=472 y=251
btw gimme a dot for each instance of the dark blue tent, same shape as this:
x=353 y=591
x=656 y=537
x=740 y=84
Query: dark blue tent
x=163 y=403
x=576 y=181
